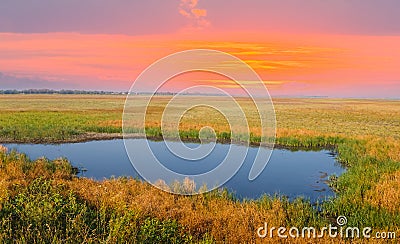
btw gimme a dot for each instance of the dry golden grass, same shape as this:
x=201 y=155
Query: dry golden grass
x=309 y=117
x=227 y=221
x=386 y=194
x=223 y=219
x=215 y=215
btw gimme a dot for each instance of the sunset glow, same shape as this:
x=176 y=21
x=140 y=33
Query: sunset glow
x=309 y=63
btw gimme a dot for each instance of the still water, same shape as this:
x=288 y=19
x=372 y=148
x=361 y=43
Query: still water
x=290 y=173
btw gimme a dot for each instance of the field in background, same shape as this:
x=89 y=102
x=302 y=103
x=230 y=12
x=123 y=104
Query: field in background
x=48 y=118
x=365 y=133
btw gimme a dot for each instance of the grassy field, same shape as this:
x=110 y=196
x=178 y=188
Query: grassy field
x=43 y=201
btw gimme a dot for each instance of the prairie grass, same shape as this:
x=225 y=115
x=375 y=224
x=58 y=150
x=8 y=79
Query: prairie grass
x=42 y=201
x=386 y=193
x=49 y=118
x=364 y=133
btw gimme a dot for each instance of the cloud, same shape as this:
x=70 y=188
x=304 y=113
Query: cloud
x=196 y=16
x=14 y=82
x=199 y=12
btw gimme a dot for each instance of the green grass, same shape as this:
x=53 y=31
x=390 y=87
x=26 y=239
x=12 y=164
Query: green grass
x=34 y=208
x=51 y=126
x=319 y=122
x=50 y=214
x=365 y=134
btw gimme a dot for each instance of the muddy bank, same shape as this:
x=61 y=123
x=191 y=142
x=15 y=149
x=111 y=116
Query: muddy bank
x=102 y=136
x=86 y=137
x=78 y=138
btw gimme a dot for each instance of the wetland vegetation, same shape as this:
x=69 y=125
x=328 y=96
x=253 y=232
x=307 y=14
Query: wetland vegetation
x=43 y=201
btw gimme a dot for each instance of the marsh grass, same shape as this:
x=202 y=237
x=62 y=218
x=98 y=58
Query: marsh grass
x=37 y=204
x=42 y=201
x=364 y=133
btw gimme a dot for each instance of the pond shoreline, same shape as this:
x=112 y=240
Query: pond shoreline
x=87 y=137
x=306 y=172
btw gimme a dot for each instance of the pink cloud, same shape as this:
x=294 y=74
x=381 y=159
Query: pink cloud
x=196 y=16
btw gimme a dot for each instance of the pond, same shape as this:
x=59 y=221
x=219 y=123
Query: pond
x=290 y=173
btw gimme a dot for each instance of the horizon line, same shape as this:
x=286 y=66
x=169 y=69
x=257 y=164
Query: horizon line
x=44 y=91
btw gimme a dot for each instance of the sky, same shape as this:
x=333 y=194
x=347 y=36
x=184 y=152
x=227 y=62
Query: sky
x=335 y=48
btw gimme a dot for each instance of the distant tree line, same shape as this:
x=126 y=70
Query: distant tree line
x=50 y=91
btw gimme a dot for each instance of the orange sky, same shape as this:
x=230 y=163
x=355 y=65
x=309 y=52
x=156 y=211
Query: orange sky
x=289 y=64
x=298 y=47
